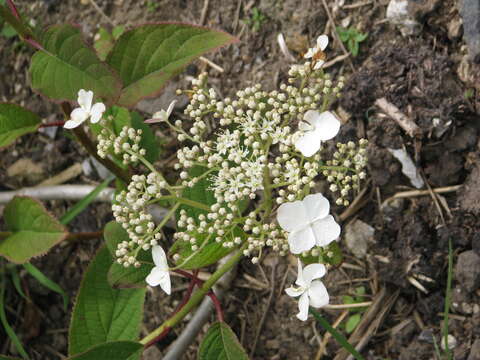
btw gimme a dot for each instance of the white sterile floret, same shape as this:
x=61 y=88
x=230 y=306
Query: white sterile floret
x=315 y=128
x=85 y=111
x=308 y=223
x=159 y=274
x=322 y=43
x=162 y=115
x=312 y=292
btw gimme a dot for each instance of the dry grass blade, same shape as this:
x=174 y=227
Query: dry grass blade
x=370 y=322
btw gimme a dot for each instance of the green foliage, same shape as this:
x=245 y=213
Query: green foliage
x=351 y=37
x=67 y=64
x=331 y=254
x=16 y=121
x=354 y=319
x=104 y=40
x=152 y=5
x=200 y=192
x=32 y=230
x=76 y=209
x=336 y=335
x=48 y=283
x=210 y=252
x=122 y=117
x=118 y=275
x=118 y=350
x=6 y=326
x=256 y=19
x=148 y=56
x=102 y=314
x=220 y=343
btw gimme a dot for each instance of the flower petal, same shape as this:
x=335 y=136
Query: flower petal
x=165 y=283
x=317 y=206
x=85 y=99
x=292 y=216
x=326 y=126
x=318 y=64
x=155 y=277
x=318 y=294
x=300 y=281
x=70 y=124
x=159 y=257
x=79 y=115
x=302 y=240
x=312 y=272
x=308 y=144
x=326 y=230
x=303 y=304
x=310 y=53
x=294 y=291
x=322 y=42
x=96 y=112
x=170 y=107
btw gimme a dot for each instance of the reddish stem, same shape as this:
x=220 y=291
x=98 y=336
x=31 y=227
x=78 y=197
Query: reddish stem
x=186 y=297
x=159 y=337
x=211 y=294
x=13 y=9
x=56 y=123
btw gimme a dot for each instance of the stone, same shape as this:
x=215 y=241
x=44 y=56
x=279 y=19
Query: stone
x=357 y=236
x=470 y=12
x=467 y=270
x=475 y=351
x=397 y=14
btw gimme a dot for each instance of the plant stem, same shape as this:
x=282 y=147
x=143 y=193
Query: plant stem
x=16 y=23
x=84 y=235
x=185 y=201
x=92 y=150
x=196 y=297
x=448 y=299
x=56 y=123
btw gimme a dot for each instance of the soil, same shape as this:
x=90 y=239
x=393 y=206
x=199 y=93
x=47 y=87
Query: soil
x=424 y=76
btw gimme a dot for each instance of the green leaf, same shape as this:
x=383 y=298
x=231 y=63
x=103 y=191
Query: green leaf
x=16 y=121
x=121 y=117
x=34 y=230
x=220 y=343
x=6 y=326
x=352 y=323
x=208 y=254
x=48 y=283
x=67 y=65
x=359 y=37
x=103 y=314
x=16 y=282
x=337 y=335
x=118 y=350
x=103 y=43
x=76 y=209
x=149 y=141
x=200 y=193
x=148 y=56
x=118 y=275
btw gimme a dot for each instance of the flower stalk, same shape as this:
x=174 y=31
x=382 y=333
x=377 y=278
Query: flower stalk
x=196 y=297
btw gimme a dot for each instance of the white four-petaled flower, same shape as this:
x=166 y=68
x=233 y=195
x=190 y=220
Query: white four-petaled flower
x=308 y=223
x=159 y=274
x=316 y=128
x=85 y=111
x=322 y=43
x=162 y=115
x=312 y=292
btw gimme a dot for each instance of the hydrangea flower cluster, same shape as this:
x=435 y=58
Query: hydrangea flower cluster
x=259 y=153
x=346 y=170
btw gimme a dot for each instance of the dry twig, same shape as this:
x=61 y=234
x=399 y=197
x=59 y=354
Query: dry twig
x=402 y=120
